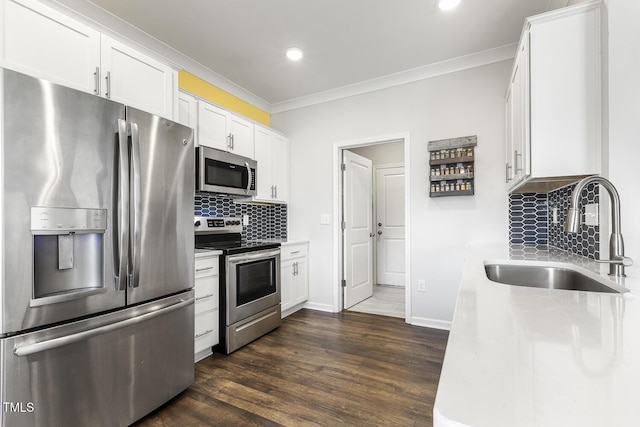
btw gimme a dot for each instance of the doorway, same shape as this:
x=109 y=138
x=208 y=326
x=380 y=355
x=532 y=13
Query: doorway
x=375 y=222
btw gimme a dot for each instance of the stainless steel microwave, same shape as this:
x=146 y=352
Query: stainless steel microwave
x=220 y=172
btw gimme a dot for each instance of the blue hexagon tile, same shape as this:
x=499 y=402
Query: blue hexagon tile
x=266 y=222
x=531 y=221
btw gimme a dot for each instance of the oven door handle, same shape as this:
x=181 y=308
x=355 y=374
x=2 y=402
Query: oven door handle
x=253 y=256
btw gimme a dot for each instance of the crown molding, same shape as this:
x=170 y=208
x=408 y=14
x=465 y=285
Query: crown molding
x=461 y=63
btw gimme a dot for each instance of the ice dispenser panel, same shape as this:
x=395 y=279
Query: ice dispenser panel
x=68 y=250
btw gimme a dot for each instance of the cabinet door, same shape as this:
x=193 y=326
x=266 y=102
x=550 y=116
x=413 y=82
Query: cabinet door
x=280 y=167
x=135 y=79
x=286 y=285
x=187 y=112
x=509 y=138
x=301 y=282
x=263 y=157
x=242 y=136
x=566 y=93
x=44 y=43
x=212 y=126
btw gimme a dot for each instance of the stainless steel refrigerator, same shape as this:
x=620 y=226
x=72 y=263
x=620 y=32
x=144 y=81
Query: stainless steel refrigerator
x=97 y=257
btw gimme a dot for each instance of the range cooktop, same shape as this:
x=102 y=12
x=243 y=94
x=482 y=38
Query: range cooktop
x=225 y=234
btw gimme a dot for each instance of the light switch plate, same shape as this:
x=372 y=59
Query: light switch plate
x=591 y=214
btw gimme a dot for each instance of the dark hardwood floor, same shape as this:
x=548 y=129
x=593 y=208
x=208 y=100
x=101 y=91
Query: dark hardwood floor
x=317 y=369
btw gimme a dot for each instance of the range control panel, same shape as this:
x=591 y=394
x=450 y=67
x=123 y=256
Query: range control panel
x=208 y=225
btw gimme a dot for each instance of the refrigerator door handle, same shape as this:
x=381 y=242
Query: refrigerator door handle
x=136 y=210
x=121 y=217
x=54 y=343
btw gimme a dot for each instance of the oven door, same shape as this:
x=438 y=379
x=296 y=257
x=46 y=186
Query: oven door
x=252 y=282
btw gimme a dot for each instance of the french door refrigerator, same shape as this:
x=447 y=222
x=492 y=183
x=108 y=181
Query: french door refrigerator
x=96 y=300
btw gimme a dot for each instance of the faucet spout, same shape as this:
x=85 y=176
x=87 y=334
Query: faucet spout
x=616 y=244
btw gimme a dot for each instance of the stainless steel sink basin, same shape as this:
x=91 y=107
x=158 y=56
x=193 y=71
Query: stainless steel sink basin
x=548 y=277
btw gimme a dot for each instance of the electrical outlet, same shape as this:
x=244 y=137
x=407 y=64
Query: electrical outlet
x=422 y=286
x=325 y=219
x=245 y=219
x=555 y=215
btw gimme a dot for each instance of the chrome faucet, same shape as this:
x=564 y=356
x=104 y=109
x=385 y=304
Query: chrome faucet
x=618 y=261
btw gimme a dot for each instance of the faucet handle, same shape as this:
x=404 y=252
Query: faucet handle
x=622 y=260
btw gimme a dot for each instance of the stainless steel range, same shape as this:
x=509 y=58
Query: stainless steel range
x=249 y=281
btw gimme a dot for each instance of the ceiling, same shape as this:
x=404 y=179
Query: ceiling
x=346 y=42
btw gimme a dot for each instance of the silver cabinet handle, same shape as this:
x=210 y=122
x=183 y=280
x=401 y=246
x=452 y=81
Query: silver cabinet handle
x=508 y=168
x=295 y=252
x=84 y=335
x=207 y=332
x=121 y=213
x=229 y=142
x=276 y=191
x=96 y=81
x=136 y=209
x=204 y=297
x=108 y=79
x=203 y=269
x=515 y=160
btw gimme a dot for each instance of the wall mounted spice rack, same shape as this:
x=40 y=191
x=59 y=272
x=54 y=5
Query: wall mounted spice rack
x=451 y=164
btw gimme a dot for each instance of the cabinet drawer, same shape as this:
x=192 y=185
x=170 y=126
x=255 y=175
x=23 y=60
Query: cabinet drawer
x=205 y=286
x=293 y=251
x=206 y=302
x=206 y=330
x=207 y=267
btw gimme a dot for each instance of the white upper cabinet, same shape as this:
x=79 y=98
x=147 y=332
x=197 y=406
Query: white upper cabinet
x=221 y=129
x=135 y=79
x=272 y=155
x=187 y=110
x=241 y=136
x=213 y=128
x=42 y=42
x=554 y=100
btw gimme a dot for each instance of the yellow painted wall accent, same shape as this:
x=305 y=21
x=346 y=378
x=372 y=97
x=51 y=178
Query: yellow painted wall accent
x=203 y=89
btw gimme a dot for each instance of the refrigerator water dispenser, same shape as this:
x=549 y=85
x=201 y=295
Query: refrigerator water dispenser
x=68 y=251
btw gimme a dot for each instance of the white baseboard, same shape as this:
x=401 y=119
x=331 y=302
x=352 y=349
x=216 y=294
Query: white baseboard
x=431 y=323
x=320 y=307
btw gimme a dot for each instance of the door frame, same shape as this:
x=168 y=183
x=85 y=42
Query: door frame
x=338 y=257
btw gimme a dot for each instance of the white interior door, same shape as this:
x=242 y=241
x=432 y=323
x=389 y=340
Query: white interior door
x=390 y=241
x=358 y=230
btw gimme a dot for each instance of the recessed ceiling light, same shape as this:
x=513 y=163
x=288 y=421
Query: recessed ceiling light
x=295 y=53
x=448 y=4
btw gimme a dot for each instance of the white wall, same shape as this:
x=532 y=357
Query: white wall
x=469 y=102
x=382 y=154
x=624 y=119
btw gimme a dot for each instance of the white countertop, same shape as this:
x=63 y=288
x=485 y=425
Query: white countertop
x=206 y=252
x=521 y=356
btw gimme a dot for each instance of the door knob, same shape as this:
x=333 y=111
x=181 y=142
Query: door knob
x=379 y=232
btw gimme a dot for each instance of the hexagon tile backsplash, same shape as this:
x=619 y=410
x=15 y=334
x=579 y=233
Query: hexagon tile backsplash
x=531 y=221
x=266 y=222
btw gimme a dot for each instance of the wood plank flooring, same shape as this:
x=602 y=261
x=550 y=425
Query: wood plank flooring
x=317 y=369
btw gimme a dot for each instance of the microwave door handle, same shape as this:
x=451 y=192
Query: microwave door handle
x=249 y=175
x=135 y=208
x=121 y=210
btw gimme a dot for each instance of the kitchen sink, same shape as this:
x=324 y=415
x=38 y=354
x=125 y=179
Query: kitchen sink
x=548 y=277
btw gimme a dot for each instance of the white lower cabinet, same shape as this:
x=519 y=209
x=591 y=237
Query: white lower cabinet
x=207 y=310
x=294 y=278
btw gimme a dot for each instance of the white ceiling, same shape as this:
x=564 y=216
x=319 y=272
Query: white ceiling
x=346 y=42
